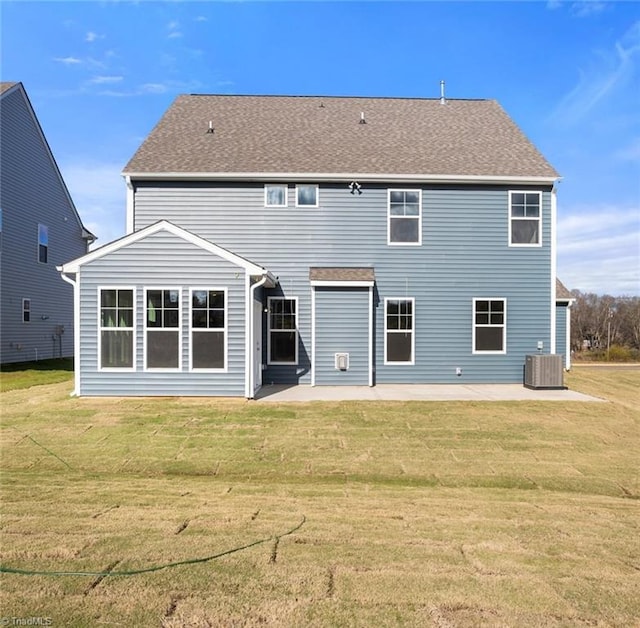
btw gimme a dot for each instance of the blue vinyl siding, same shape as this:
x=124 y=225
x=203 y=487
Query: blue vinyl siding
x=32 y=193
x=464 y=254
x=162 y=260
x=561 y=332
x=342 y=326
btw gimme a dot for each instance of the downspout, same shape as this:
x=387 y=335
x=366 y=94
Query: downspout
x=76 y=331
x=554 y=209
x=250 y=386
x=567 y=357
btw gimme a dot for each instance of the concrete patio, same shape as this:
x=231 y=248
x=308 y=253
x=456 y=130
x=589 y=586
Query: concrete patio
x=417 y=392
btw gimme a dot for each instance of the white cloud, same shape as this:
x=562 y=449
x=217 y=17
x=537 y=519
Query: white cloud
x=91 y=36
x=102 y=80
x=153 y=88
x=609 y=69
x=201 y=18
x=68 y=60
x=99 y=194
x=587 y=8
x=599 y=249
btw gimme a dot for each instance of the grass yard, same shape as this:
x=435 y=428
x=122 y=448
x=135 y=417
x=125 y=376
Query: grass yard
x=410 y=514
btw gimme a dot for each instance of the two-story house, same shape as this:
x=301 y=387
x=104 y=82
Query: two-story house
x=322 y=240
x=39 y=229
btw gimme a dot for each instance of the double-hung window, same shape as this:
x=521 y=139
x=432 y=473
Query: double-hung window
x=275 y=195
x=208 y=329
x=489 y=326
x=43 y=244
x=306 y=196
x=399 y=331
x=162 y=333
x=405 y=217
x=116 y=328
x=283 y=330
x=525 y=219
x=26 y=310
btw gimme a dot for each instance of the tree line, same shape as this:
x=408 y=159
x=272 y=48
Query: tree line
x=605 y=325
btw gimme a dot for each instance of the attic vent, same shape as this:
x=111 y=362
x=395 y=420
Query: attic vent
x=362 y=120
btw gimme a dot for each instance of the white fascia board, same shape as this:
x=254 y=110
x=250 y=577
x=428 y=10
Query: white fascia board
x=319 y=283
x=163 y=225
x=340 y=176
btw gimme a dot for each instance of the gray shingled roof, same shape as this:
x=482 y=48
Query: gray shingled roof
x=562 y=292
x=342 y=273
x=308 y=134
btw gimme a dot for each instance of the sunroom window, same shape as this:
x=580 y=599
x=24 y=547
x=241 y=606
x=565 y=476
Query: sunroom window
x=162 y=328
x=116 y=328
x=208 y=329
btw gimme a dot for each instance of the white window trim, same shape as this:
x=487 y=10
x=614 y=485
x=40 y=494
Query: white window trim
x=146 y=329
x=297 y=341
x=276 y=185
x=413 y=331
x=308 y=185
x=24 y=302
x=419 y=217
x=117 y=369
x=511 y=219
x=224 y=329
x=473 y=326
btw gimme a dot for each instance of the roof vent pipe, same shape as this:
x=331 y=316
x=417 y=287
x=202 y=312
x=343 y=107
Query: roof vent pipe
x=362 y=120
x=442 y=98
x=210 y=129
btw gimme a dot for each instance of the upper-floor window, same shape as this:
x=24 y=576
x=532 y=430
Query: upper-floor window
x=489 y=326
x=208 y=329
x=275 y=195
x=162 y=329
x=116 y=328
x=43 y=244
x=306 y=195
x=405 y=217
x=525 y=219
x=398 y=331
x=26 y=310
x=283 y=330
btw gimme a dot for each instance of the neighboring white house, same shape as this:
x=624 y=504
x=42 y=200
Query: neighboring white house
x=39 y=229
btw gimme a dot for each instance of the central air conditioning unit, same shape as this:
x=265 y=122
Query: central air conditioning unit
x=544 y=372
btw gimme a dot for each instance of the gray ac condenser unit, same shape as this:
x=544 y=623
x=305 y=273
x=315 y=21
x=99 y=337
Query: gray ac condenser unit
x=543 y=371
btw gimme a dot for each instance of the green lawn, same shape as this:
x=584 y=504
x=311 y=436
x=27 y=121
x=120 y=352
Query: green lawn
x=415 y=514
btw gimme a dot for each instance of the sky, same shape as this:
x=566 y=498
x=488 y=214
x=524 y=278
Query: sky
x=100 y=74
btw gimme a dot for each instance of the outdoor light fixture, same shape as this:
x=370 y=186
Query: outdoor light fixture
x=354 y=186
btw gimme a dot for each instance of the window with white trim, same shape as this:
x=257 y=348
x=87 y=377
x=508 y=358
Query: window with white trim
x=162 y=328
x=208 y=329
x=282 y=330
x=404 y=217
x=116 y=328
x=26 y=310
x=399 y=331
x=306 y=196
x=489 y=326
x=275 y=195
x=43 y=244
x=525 y=219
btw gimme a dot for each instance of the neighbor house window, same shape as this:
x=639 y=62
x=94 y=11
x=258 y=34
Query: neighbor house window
x=26 y=310
x=306 y=195
x=283 y=331
x=399 y=331
x=43 y=244
x=162 y=308
x=116 y=328
x=405 y=217
x=525 y=218
x=489 y=325
x=275 y=195
x=208 y=329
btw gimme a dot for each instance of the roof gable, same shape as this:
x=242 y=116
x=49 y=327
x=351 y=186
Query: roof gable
x=313 y=135
x=163 y=225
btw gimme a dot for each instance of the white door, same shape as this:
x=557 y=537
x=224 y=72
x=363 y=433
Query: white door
x=257 y=345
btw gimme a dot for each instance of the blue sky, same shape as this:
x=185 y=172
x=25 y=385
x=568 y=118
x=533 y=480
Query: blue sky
x=101 y=73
